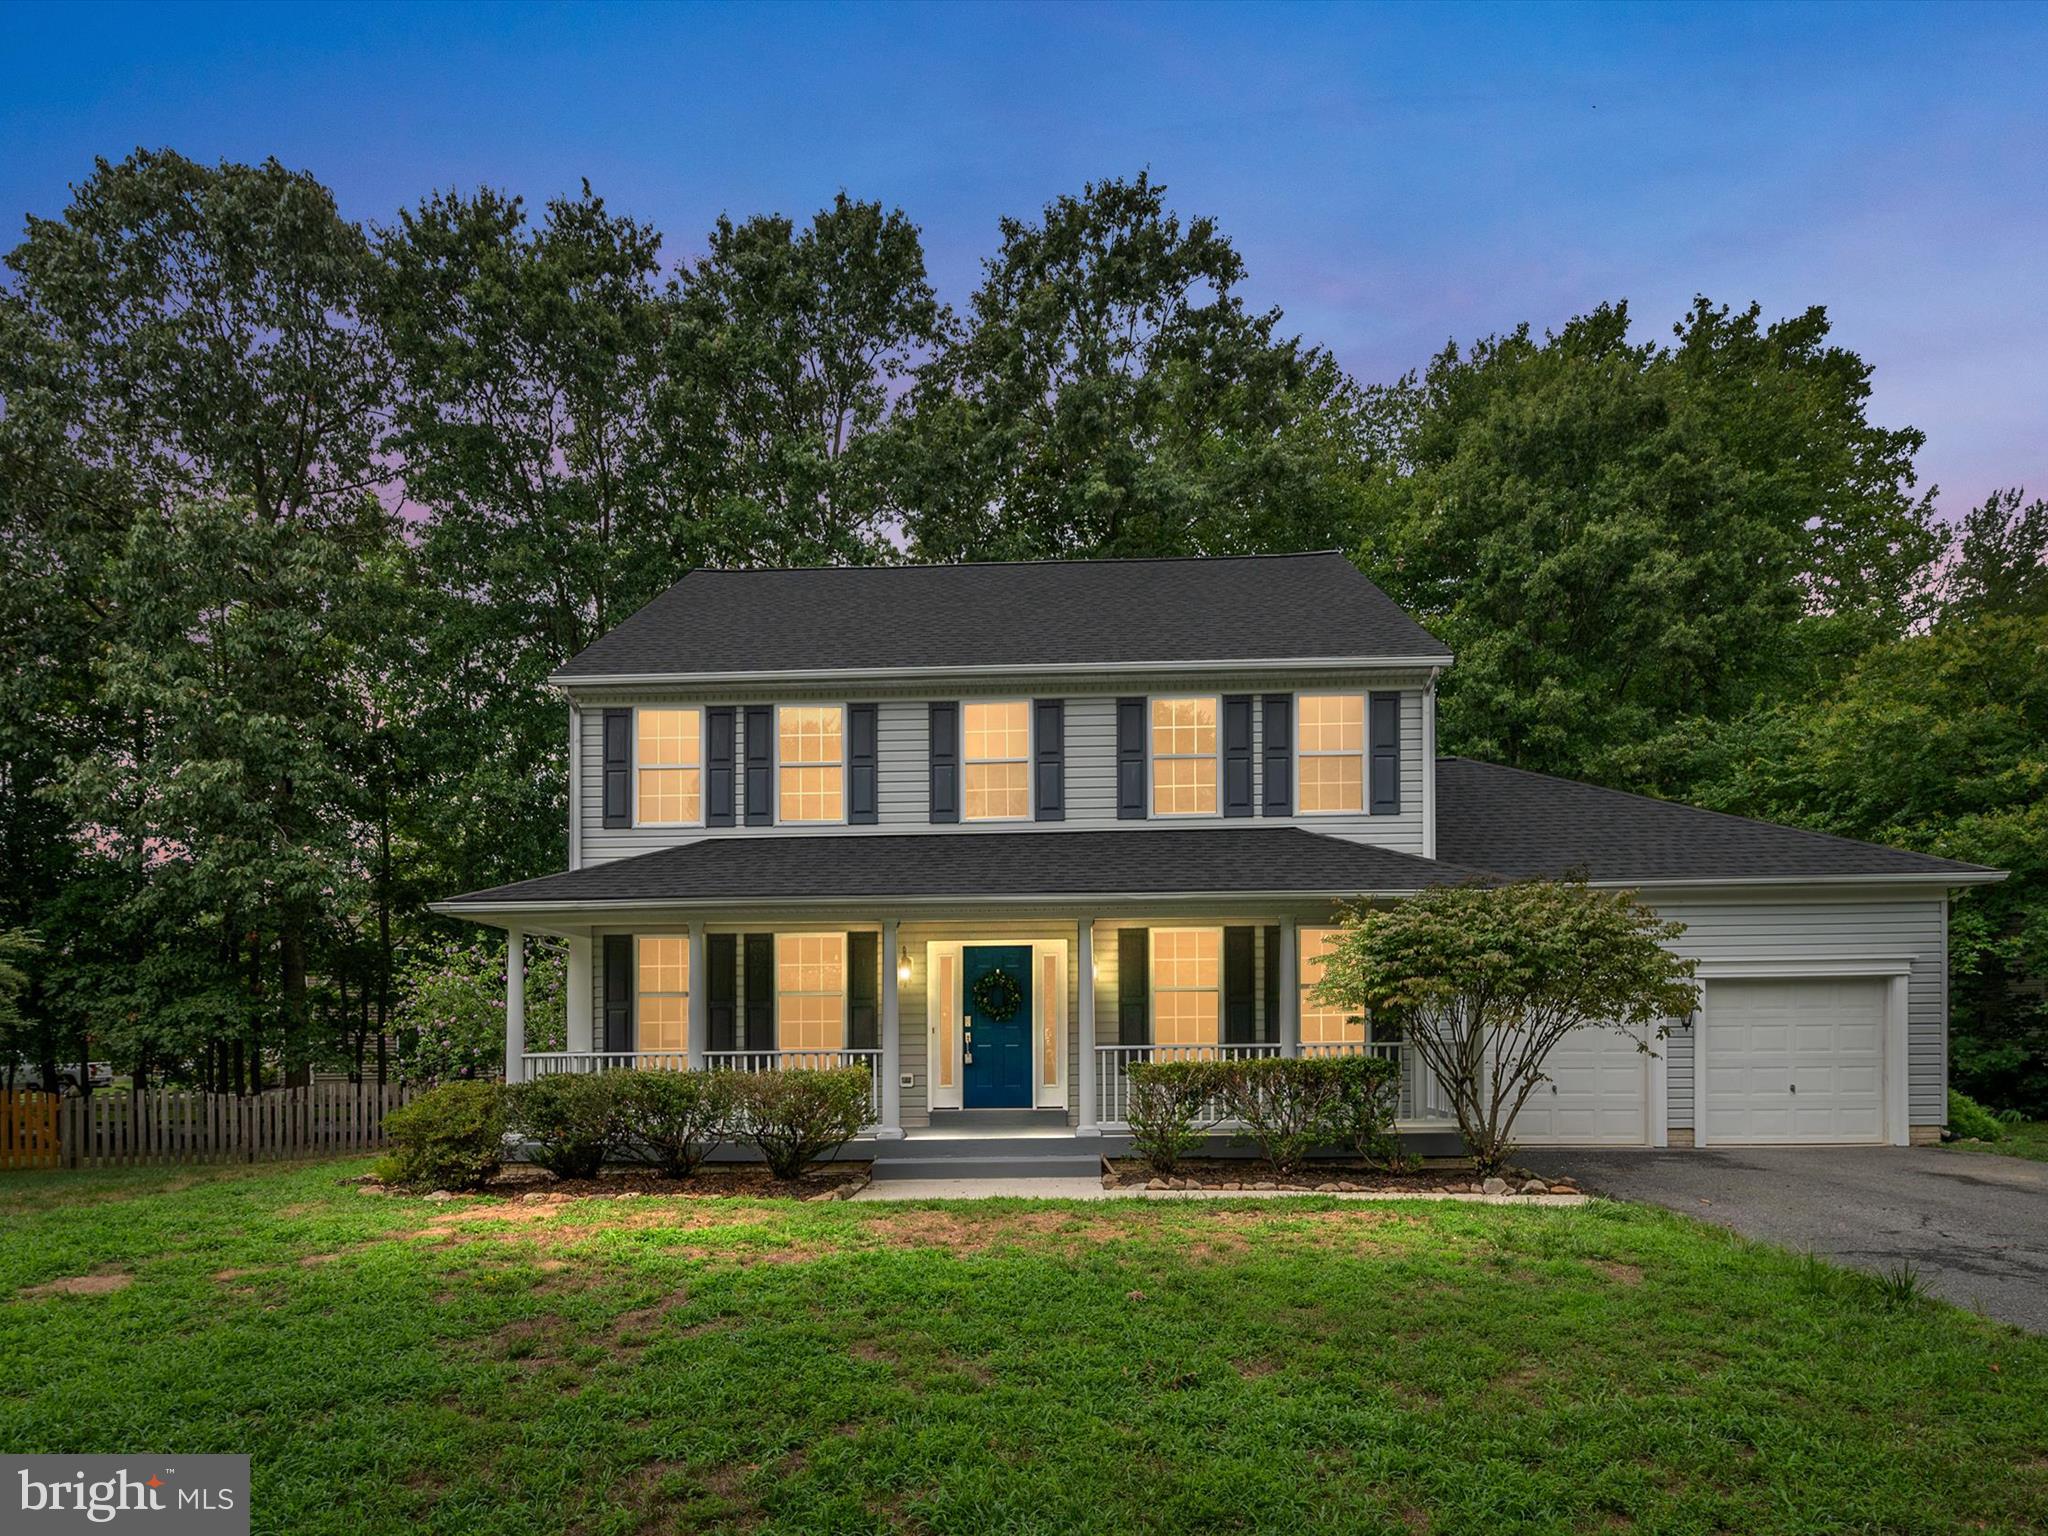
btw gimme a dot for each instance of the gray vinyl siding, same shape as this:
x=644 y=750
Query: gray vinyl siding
x=1823 y=928
x=903 y=772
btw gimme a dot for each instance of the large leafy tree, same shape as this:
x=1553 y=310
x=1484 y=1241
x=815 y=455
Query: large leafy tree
x=2000 y=561
x=1617 y=536
x=1112 y=394
x=789 y=347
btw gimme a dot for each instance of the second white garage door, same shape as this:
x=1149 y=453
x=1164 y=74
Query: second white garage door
x=1598 y=1094
x=1798 y=1060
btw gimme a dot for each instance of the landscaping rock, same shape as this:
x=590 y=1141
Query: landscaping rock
x=1494 y=1186
x=1155 y=1183
x=437 y=1196
x=372 y=1189
x=1265 y=1184
x=1535 y=1187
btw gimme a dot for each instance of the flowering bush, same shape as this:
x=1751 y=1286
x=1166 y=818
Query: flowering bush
x=451 y=1009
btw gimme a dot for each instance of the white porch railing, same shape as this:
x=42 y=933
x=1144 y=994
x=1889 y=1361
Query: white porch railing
x=1423 y=1102
x=548 y=1063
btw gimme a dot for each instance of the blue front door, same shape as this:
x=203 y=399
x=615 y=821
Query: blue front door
x=997 y=1041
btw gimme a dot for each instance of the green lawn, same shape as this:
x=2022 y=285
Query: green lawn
x=2027 y=1139
x=655 y=1365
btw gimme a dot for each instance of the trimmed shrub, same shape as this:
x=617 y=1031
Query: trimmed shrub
x=452 y=1137
x=1368 y=1103
x=1970 y=1121
x=799 y=1116
x=1169 y=1112
x=573 y=1119
x=673 y=1120
x=1288 y=1106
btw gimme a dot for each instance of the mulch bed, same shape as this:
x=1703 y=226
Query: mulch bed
x=1327 y=1178
x=713 y=1181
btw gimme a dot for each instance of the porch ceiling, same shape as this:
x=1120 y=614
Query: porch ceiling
x=911 y=868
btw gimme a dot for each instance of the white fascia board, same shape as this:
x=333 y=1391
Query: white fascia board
x=1084 y=900
x=822 y=676
x=1934 y=880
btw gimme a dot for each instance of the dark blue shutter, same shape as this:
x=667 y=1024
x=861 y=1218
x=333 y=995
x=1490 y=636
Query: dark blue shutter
x=1130 y=759
x=618 y=768
x=760 y=991
x=618 y=992
x=863 y=991
x=1384 y=765
x=1272 y=987
x=1240 y=964
x=1279 y=753
x=862 y=759
x=1237 y=754
x=945 y=738
x=721 y=989
x=1049 y=760
x=719 y=766
x=760 y=746
x=1133 y=987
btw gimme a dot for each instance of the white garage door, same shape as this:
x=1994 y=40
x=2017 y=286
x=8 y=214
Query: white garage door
x=1598 y=1094
x=1793 y=1061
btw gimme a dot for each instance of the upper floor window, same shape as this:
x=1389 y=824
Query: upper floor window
x=1187 y=985
x=1331 y=746
x=810 y=991
x=997 y=761
x=1323 y=1023
x=662 y=985
x=1184 y=757
x=811 y=754
x=669 y=759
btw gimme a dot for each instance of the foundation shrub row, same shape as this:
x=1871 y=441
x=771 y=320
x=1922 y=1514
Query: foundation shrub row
x=1291 y=1108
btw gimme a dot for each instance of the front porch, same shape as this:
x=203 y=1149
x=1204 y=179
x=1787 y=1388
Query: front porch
x=908 y=998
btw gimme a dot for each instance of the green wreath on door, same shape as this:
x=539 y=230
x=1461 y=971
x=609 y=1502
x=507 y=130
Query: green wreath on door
x=997 y=997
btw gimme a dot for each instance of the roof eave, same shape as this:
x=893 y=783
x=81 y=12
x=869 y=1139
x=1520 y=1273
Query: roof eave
x=1066 y=899
x=1007 y=669
x=1936 y=878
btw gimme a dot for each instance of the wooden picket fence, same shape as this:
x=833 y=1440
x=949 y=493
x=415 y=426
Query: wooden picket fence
x=29 y=1132
x=125 y=1129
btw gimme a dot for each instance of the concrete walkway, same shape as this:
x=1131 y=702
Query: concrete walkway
x=1091 y=1189
x=1975 y=1228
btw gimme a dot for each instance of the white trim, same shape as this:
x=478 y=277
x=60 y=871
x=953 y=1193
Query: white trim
x=1897 y=1065
x=1364 y=753
x=1029 y=759
x=815 y=675
x=634 y=770
x=1936 y=878
x=775 y=789
x=936 y=1095
x=1659 y=1127
x=1428 y=766
x=576 y=785
x=889 y=1028
x=1084 y=1024
x=1152 y=813
x=1209 y=900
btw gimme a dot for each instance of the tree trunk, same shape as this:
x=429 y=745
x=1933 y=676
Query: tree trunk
x=291 y=955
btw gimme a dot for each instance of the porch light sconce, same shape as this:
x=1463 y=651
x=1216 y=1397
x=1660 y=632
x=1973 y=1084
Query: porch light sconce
x=903 y=969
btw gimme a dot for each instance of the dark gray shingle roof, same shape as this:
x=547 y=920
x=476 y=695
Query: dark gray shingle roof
x=1523 y=824
x=975 y=866
x=1053 y=614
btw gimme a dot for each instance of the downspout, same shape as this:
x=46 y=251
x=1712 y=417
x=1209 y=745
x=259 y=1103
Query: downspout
x=1429 y=764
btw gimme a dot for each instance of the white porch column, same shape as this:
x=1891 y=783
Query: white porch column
x=891 y=1128
x=515 y=1005
x=578 y=984
x=698 y=1038
x=1289 y=990
x=1084 y=1023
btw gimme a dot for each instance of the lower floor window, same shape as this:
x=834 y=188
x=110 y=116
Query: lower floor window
x=662 y=984
x=1187 y=985
x=810 y=991
x=1323 y=1023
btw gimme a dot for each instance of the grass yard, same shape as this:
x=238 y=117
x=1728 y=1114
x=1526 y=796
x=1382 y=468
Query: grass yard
x=650 y=1365
x=2027 y=1139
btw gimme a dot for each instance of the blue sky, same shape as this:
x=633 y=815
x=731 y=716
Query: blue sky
x=1393 y=176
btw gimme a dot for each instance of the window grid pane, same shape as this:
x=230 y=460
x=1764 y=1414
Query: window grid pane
x=995 y=790
x=1331 y=751
x=811 y=748
x=1184 y=757
x=1322 y=1023
x=668 y=751
x=662 y=984
x=810 y=991
x=1187 y=997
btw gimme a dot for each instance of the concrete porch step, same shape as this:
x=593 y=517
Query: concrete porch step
x=980 y=1163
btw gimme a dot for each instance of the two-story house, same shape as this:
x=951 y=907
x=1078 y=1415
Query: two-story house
x=998 y=830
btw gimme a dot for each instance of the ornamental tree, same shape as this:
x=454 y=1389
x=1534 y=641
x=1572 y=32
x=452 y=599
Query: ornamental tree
x=1482 y=982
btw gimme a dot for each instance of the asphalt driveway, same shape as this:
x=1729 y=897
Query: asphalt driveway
x=1975 y=1227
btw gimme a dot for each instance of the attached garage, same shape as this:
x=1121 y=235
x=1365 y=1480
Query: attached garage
x=1789 y=1060
x=1598 y=1094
